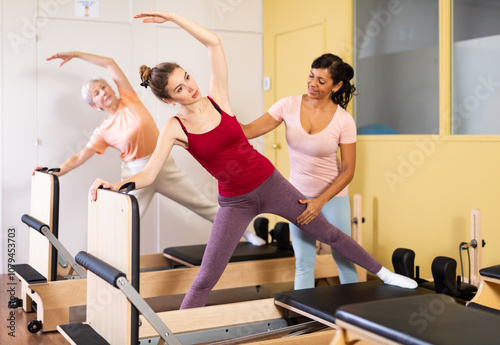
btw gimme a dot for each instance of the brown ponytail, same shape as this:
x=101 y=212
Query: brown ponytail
x=157 y=78
x=340 y=71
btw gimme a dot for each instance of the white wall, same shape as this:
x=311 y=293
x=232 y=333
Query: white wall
x=476 y=94
x=397 y=55
x=44 y=120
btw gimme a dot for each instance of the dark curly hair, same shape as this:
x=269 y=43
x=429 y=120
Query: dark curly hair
x=340 y=71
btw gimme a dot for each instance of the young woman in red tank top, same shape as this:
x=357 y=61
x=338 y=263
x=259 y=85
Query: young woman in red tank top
x=248 y=183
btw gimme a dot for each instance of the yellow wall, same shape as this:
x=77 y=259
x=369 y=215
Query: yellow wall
x=284 y=15
x=418 y=191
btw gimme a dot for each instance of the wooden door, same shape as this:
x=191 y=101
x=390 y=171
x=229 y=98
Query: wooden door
x=293 y=63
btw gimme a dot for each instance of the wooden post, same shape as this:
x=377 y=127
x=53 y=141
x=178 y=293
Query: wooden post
x=113 y=236
x=476 y=252
x=357 y=234
x=44 y=207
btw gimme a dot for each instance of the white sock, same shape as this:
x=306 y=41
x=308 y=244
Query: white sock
x=253 y=239
x=395 y=279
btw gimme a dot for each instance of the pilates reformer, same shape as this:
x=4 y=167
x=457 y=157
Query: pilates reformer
x=429 y=319
x=444 y=269
x=44 y=248
x=53 y=310
x=267 y=329
x=111 y=237
x=51 y=269
x=114 y=210
x=371 y=312
x=374 y=313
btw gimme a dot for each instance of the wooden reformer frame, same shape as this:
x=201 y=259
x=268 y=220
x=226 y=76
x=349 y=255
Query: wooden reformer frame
x=110 y=232
x=52 y=310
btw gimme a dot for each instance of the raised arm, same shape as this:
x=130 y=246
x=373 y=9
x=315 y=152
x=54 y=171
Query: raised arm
x=114 y=70
x=217 y=59
x=170 y=135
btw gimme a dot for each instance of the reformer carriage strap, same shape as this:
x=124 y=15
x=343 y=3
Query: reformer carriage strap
x=99 y=267
x=129 y=186
x=48 y=171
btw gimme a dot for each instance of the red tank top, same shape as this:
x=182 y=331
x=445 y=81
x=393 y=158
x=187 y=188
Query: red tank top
x=228 y=156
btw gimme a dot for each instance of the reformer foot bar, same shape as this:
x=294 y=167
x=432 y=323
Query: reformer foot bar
x=44 y=229
x=30 y=277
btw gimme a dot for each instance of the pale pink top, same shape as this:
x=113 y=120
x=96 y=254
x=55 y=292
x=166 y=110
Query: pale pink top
x=131 y=130
x=313 y=157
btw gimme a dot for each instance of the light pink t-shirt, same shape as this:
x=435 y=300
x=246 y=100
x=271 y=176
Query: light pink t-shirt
x=131 y=130
x=313 y=157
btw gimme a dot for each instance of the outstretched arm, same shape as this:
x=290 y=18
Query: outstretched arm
x=72 y=162
x=76 y=160
x=218 y=65
x=170 y=135
x=114 y=70
x=260 y=126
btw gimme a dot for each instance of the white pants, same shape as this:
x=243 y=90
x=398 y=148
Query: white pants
x=173 y=183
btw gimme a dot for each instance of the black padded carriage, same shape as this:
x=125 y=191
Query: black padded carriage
x=245 y=251
x=321 y=303
x=422 y=320
x=491 y=272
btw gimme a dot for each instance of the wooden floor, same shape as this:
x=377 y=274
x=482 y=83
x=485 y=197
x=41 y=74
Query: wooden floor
x=13 y=324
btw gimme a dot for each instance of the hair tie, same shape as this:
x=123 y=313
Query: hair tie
x=145 y=84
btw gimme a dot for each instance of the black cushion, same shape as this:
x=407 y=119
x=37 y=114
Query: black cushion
x=427 y=319
x=29 y=274
x=261 y=227
x=244 y=252
x=403 y=261
x=492 y=272
x=483 y=308
x=323 y=302
x=82 y=333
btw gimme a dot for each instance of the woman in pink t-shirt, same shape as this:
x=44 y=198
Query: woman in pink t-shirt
x=131 y=129
x=317 y=126
x=249 y=184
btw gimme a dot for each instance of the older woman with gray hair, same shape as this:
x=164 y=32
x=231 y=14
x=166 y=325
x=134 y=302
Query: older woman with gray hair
x=131 y=129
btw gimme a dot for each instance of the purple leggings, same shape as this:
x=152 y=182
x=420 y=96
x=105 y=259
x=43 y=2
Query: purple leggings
x=277 y=196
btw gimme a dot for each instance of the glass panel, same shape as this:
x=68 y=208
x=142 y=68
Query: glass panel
x=476 y=67
x=396 y=66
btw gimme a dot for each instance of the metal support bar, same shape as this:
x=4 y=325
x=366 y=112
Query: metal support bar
x=141 y=305
x=63 y=251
